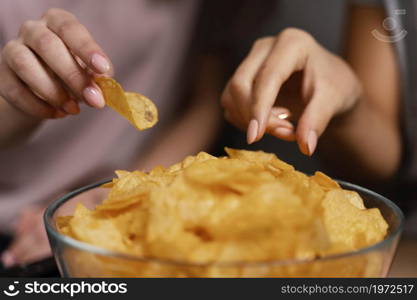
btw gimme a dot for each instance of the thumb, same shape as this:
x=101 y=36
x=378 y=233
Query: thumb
x=8 y=259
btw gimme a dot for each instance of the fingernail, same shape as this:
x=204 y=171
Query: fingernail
x=286 y=124
x=283 y=131
x=8 y=259
x=59 y=114
x=311 y=142
x=252 y=131
x=71 y=107
x=262 y=122
x=93 y=97
x=100 y=63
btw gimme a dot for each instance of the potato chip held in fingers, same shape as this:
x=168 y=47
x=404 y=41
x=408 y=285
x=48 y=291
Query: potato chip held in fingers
x=136 y=108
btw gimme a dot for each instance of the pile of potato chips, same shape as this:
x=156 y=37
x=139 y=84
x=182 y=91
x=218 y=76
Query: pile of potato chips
x=248 y=207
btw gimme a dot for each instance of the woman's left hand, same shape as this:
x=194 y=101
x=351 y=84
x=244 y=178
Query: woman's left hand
x=255 y=99
x=30 y=242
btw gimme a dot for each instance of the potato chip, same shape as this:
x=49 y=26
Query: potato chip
x=348 y=225
x=259 y=156
x=136 y=108
x=325 y=181
x=101 y=232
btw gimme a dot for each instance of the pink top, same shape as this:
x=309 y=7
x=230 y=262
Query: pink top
x=147 y=43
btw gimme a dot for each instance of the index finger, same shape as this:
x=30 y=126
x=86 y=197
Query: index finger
x=77 y=38
x=287 y=56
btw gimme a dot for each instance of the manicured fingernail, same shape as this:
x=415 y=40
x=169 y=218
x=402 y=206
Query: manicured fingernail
x=286 y=124
x=8 y=259
x=252 y=131
x=283 y=131
x=93 y=97
x=71 y=107
x=311 y=142
x=59 y=114
x=100 y=63
x=262 y=120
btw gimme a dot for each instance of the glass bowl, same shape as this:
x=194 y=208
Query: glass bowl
x=78 y=259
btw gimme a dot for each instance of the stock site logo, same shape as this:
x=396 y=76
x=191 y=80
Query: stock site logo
x=391 y=25
x=11 y=290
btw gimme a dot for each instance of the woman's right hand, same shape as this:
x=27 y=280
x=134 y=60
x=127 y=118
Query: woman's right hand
x=49 y=67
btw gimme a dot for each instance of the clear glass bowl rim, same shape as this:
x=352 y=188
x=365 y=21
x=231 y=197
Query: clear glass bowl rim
x=51 y=209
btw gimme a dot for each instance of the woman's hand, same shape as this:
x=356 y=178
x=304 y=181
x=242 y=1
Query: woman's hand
x=254 y=96
x=48 y=68
x=30 y=242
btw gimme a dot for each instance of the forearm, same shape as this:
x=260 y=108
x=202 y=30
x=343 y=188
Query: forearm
x=15 y=125
x=196 y=130
x=365 y=143
x=362 y=145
